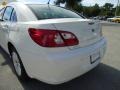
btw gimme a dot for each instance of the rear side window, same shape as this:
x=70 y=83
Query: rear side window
x=7 y=13
x=51 y=12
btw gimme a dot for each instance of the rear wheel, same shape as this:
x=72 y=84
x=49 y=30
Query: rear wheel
x=117 y=21
x=18 y=66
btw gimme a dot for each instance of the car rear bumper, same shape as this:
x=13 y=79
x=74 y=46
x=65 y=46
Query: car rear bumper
x=60 y=68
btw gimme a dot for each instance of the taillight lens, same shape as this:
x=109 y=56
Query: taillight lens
x=53 y=38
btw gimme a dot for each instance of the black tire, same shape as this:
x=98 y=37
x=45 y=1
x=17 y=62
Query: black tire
x=23 y=76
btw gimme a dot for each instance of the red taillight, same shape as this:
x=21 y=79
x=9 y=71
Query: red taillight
x=53 y=38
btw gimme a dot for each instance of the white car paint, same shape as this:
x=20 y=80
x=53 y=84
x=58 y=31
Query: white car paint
x=53 y=65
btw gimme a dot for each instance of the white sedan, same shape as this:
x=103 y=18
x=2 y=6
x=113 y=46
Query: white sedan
x=50 y=43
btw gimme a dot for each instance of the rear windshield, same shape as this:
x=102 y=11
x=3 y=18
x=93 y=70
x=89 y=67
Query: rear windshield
x=52 y=12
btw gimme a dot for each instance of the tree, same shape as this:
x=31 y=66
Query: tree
x=108 y=8
x=87 y=11
x=96 y=10
x=91 y=11
x=4 y=3
x=78 y=8
x=118 y=11
x=68 y=3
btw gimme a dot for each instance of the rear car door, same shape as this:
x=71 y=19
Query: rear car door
x=1 y=21
x=5 y=26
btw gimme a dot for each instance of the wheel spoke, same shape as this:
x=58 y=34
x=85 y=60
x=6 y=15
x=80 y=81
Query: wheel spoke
x=16 y=63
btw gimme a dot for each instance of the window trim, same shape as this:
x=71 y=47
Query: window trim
x=3 y=12
x=11 y=15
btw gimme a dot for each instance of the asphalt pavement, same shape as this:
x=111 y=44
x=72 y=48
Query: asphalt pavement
x=106 y=76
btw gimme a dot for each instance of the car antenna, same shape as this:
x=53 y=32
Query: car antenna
x=48 y=2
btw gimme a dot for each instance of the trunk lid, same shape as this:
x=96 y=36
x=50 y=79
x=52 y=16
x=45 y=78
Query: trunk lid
x=87 y=31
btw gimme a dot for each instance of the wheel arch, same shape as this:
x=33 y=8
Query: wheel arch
x=10 y=46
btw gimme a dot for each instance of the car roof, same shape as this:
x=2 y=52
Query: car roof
x=26 y=3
